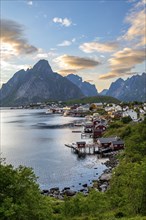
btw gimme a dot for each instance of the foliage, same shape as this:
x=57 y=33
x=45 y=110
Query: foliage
x=93 y=107
x=128 y=188
x=20 y=197
x=126 y=119
x=95 y=204
x=94 y=99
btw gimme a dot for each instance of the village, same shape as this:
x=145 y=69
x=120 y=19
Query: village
x=135 y=110
x=96 y=124
x=93 y=121
x=96 y=118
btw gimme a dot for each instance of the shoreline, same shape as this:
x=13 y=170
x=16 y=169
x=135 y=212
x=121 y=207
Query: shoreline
x=100 y=184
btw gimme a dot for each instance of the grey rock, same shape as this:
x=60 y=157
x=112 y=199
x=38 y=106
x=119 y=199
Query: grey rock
x=69 y=192
x=106 y=177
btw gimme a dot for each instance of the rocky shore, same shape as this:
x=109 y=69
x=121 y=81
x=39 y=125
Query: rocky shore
x=101 y=184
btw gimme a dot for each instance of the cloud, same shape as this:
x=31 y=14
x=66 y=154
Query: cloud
x=63 y=21
x=91 y=47
x=29 y=3
x=90 y=80
x=65 y=72
x=124 y=61
x=140 y=3
x=12 y=39
x=137 y=24
x=7 y=66
x=75 y=63
x=42 y=54
x=66 y=43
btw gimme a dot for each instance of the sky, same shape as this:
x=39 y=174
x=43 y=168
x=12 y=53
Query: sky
x=99 y=40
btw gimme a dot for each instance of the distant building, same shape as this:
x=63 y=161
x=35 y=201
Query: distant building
x=131 y=113
x=115 y=143
x=83 y=108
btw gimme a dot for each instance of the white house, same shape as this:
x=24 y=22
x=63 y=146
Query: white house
x=144 y=106
x=83 y=108
x=109 y=108
x=131 y=113
x=118 y=108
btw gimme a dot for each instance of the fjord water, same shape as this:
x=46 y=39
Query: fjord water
x=35 y=139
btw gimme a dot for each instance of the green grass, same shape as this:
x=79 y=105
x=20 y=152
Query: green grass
x=94 y=99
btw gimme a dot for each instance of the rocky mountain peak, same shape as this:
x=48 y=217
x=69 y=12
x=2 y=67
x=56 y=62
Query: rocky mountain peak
x=131 y=89
x=37 y=84
x=42 y=66
x=86 y=88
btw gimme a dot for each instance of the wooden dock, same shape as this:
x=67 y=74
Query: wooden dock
x=85 y=149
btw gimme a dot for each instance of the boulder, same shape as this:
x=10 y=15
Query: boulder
x=66 y=188
x=45 y=191
x=69 y=192
x=106 y=177
x=103 y=187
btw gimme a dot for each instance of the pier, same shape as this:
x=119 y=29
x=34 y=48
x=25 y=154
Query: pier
x=83 y=148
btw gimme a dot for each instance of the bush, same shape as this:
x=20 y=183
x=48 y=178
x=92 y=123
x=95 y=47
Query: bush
x=126 y=120
x=20 y=197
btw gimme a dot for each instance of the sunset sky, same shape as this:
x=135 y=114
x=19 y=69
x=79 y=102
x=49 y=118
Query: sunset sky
x=99 y=40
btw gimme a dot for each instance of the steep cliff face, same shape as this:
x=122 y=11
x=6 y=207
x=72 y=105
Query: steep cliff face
x=132 y=89
x=86 y=88
x=37 y=84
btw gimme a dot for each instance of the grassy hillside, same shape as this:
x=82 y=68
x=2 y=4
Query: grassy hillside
x=94 y=99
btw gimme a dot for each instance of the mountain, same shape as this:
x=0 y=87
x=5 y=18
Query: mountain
x=37 y=84
x=86 y=88
x=132 y=89
x=103 y=92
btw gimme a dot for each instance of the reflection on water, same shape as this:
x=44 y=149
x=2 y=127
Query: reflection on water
x=25 y=141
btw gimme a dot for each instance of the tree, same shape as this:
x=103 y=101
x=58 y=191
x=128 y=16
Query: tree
x=127 y=190
x=93 y=107
x=126 y=119
x=20 y=197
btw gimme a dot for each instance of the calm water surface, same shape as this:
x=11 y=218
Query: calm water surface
x=36 y=139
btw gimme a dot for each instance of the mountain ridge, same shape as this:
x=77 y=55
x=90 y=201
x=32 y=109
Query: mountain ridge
x=87 y=88
x=131 y=89
x=37 y=84
x=40 y=84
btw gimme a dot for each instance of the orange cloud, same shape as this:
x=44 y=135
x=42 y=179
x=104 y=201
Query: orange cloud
x=137 y=21
x=12 y=39
x=65 y=72
x=91 y=47
x=124 y=61
x=70 y=64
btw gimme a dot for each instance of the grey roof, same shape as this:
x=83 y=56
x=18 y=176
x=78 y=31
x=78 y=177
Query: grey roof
x=118 y=142
x=107 y=140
